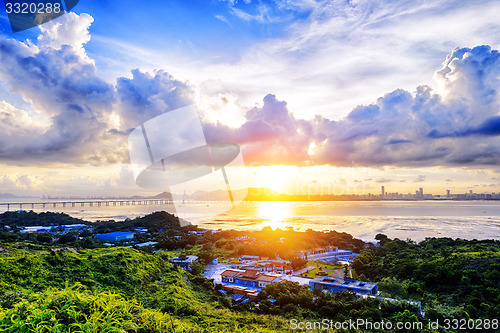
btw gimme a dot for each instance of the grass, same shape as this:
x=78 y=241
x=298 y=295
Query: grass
x=324 y=265
x=112 y=290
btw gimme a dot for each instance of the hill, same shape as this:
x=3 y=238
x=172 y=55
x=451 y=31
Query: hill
x=112 y=290
x=24 y=218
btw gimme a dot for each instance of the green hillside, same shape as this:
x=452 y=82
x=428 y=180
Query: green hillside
x=111 y=290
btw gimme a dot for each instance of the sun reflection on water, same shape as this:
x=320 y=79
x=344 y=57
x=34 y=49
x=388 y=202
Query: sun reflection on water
x=273 y=213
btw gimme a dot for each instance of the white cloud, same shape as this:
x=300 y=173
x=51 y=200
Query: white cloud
x=60 y=81
x=89 y=118
x=146 y=96
x=350 y=53
x=401 y=128
x=69 y=29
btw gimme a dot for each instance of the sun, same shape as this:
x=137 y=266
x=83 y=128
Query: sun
x=273 y=213
x=275 y=177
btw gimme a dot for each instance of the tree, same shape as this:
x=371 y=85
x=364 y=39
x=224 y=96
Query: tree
x=346 y=271
x=44 y=237
x=298 y=263
x=382 y=239
x=67 y=238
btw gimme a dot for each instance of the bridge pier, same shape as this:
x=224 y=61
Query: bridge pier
x=90 y=203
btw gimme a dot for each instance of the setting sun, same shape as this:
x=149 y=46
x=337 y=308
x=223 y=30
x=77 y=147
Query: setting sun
x=274 y=213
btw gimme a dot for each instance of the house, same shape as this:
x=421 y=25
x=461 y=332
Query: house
x=317 y=251
x=242 y=291
x=347 y=257
x=37 y=229
x=248 y=278
x=146 y=244
x=74 y=226
x=199 y=232
x=265 y=279
x=278 y=267
x=115 y=236
x=335 y=285
x=229 y=274
x=183 y=263
x=249 y=258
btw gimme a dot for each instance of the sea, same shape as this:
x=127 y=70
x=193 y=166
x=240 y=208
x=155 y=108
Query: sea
x=414 y=220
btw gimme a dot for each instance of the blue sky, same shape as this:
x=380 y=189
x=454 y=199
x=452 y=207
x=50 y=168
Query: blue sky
x=404 y=93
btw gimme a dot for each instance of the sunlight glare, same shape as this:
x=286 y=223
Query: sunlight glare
x=274 y=213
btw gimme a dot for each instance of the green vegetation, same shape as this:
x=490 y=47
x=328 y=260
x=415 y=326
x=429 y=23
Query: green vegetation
x=65 y=281
x=453 y=278
x=111 y=290
x=31 y=218
x=324 y=269
x=283 y=243
x=298 y=301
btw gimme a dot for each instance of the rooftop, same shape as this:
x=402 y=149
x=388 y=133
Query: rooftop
x=346 y=283
x=250 y=273
x=116 y=234
x=230 y=272
x=267 y=278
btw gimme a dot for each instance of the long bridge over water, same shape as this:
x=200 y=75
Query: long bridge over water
x=83 y=203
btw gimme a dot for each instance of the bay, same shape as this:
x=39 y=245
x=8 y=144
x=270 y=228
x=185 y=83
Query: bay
x=363 y=219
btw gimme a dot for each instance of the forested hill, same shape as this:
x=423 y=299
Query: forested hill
x=154 y=222
x=112 y=290
x=25 y=218
x=454 y=278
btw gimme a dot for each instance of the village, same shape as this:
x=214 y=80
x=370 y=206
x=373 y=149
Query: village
x=239 y=265
x=244 y=277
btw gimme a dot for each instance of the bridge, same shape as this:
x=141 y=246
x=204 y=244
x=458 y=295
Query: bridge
x=88 y=203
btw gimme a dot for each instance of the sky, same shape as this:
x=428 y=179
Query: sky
x=325 y=96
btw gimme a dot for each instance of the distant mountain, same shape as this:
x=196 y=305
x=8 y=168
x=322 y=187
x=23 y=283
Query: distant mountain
x=162 y=196
x=13 y=196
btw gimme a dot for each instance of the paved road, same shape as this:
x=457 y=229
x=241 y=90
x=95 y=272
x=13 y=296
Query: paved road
x=303 y=270
x=213 y=271
x=300 y=280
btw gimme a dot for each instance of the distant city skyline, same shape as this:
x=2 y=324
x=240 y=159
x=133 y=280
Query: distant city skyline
x=267 y=193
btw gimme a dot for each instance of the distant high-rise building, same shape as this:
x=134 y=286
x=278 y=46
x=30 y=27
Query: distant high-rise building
x=447 y=193
x=419 y=194
x=383 y=191
x=470 y=191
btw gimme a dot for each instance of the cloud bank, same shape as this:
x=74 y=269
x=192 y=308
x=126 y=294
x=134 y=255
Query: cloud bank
x=458 y=126
x=78 y=117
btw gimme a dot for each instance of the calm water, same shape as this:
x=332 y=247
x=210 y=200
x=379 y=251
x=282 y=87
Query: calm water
x=402 y=219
